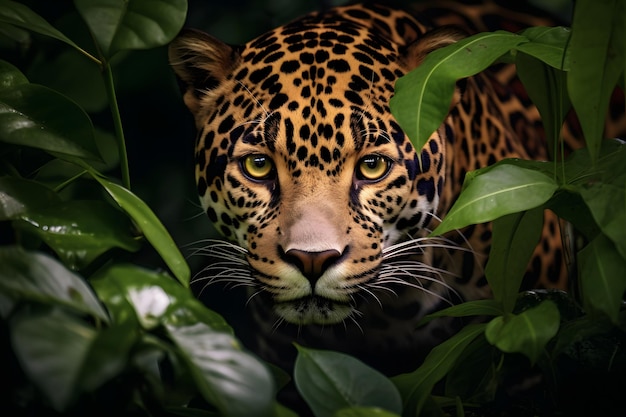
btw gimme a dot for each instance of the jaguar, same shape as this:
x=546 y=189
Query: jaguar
x=324 y=202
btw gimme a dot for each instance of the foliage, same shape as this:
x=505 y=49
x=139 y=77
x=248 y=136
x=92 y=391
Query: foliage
x=86 y=330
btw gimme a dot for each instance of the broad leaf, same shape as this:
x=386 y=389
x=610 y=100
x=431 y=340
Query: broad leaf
x=132 y=24
x=598 y=54
x=10 y=76
x=527 y=332
x=154 y=298
x=38 y=277
x=496 y=191
x=602 y=277
x=17 y=14
x=151 y=227
x=423 y=96
x=52 y=350
x=20 y=196
x=227 y=377
x=515 y=237
x=416 y=386
x=80 y=231
x=38 y=117
x=330 y=381
x=548 y=45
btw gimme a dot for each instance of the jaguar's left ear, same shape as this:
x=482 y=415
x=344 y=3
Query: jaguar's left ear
x=415 y=52
x=201 y=63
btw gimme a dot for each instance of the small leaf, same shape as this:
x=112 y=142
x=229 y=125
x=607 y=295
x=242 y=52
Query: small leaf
x=52 y=349
x=548 y=45
x=330 y=381
x=38 y=277
x=21 y=195
x=423 y=96
x=602 y=277
x=496 y=191
x=151 y=226
x=416 y=386
x=469 y=308
x=233 y=381
x=79 y=231
x=132 y=24
x=515 y=237
x=527 y=332
x=35 y=116
x=598 y=54
x=10 y=76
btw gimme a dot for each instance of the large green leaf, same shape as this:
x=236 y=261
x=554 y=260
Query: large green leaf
x=38 y=277
x=153 y=298
x=17 y=14
x=52 y=349
x=80 y=231
x=227 y=377
x=527 y=332
x=151 y=227
x=548 y=45
x=496 y=191
x=598 y=54
x=515 y=237
x=330 y=381
x=36 y=116
x=416 y=386
x=20 y=196
x=602 y=277
x=132 y=24
x=423 y=96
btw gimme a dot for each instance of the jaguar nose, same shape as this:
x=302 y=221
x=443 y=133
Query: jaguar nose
x=312 y=264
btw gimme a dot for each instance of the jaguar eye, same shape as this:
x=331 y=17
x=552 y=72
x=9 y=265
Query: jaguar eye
x=258 y=167
x=372 y=167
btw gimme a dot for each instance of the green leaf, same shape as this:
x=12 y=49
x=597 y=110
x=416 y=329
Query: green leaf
x=10 y=76
x=151 y=227
x=17 y=14
x=496 y=191
x=35 y=116
x=38 y=277
x=423 y=96
x=546 y=87
x=602 y=277
x=52 y=349
x=132 y=24
x=469 y=308
x=20 y=195
x=415 y=387
x=598 y=54
x=230 y=379
x=364 y=412
x=153 y=298
x=330 y=381
x=527 y=332
x=514 y=239
x=548 y=45
x=79 y=231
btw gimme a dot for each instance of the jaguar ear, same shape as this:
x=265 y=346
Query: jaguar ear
x=201 y=62
x=431 y=41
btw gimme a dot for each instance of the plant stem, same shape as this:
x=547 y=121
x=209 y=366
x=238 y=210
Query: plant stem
x=117 y=123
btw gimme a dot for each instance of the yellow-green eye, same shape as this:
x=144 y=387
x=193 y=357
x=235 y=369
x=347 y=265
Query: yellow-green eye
x=372 y=167
x=258 y=167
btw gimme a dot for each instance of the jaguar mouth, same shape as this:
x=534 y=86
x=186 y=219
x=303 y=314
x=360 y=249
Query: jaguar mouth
x=313 y=310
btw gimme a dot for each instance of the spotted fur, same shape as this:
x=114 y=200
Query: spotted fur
x=300 y=163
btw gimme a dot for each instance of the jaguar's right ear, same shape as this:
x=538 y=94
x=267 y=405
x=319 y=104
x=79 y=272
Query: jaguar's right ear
x=201 y=62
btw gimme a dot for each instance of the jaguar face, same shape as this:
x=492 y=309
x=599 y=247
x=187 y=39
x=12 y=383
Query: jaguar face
x=300 y=162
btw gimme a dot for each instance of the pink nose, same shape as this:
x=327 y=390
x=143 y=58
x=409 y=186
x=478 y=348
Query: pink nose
x=312 y=264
